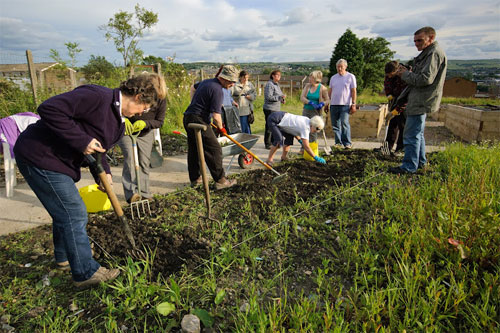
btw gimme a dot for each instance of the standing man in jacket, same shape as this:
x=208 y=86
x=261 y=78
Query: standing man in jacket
x=426 y=82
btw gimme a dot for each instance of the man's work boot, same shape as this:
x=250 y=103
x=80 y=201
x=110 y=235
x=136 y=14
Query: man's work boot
x=197 y=182
x=134 y=198
x=101 y=275
x=224 y=183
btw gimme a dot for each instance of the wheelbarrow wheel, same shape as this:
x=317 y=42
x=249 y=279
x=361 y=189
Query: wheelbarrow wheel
x=245 y=160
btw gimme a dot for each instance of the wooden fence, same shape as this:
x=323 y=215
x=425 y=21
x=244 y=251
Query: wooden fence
x=290 y=84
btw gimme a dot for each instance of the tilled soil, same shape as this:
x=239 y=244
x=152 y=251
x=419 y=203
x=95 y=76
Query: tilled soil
x=303 y=180
x=178 y=237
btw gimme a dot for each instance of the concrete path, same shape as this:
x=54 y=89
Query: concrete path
x=24 y=211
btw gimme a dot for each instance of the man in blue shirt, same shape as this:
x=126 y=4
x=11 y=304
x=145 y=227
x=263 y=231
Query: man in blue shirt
x=207 y=102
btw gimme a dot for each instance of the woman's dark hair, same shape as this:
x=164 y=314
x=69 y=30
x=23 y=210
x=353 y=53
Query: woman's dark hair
x=149 y=87
x=391 y=66
x=243 y=74
x=276 y=71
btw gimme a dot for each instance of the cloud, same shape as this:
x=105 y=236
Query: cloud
x=270 y=43
x=467 y=46
x=18 y=35
x=405 y=26
x=363 y=27
x=292 y=17
x=164 y=40
x=334 y=9
x=491 y=47
x=257 y=30
x=234 y=40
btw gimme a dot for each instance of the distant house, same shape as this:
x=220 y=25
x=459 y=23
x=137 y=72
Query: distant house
x=459 y=87
x=49 y=75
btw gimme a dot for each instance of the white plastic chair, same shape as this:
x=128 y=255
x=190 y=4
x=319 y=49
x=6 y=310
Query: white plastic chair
x=9 y=164
x=158 y=139
x=22 y=121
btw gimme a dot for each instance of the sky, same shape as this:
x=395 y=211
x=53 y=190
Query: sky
x=232 y=31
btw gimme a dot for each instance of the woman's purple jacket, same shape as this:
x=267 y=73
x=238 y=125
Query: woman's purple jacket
x=68 y=123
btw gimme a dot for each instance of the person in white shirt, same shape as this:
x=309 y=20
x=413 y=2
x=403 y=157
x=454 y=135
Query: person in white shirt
x=342 y=93
x=286 y=126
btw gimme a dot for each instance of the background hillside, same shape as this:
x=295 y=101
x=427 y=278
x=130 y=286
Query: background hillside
x=477 y=70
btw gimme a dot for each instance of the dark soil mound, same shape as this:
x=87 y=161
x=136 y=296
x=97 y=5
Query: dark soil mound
x=304 y=180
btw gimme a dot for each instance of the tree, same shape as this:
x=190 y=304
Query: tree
x=152 y=60
x=376 y=54
x=125 y=34
x=348 y=47
x=73 y=50
x=175 y=73
x=54 y=54
x=98 y=68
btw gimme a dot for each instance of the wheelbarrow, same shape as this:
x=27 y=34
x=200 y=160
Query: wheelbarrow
x=231 y=149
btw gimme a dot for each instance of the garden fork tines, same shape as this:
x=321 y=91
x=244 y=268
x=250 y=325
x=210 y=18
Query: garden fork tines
x=137 y=254
x=141 y=204
x=385 y=148
x=138 y=206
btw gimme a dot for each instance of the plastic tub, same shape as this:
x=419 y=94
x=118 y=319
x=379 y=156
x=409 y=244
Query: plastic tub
x=314 y=147
x=94 y=199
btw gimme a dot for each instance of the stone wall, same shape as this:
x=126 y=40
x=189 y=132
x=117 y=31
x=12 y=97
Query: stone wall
x=439 y=115
x=367 y=122
x=470 y=124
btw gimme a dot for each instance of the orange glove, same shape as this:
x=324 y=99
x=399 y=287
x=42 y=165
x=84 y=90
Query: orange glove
x=222 y=130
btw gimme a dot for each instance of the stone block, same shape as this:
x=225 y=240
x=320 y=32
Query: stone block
x=365 y=122
x=472 y=124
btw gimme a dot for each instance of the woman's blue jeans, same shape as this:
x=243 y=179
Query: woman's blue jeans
x=340 y=123
x=414 y=143
x=59 y=195
x=245 y=126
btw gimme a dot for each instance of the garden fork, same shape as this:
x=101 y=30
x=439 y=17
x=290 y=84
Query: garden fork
x=385 y=144
x=385 y=149
x=141 y=204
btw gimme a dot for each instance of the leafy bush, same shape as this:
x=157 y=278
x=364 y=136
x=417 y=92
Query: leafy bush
x=101 y=72
x=98 y=67
x=178 y=99
x=13 y=99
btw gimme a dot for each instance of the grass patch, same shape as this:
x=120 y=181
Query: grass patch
x=360 y=251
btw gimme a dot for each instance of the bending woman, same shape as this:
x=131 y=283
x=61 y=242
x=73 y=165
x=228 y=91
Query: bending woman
x=51 y=152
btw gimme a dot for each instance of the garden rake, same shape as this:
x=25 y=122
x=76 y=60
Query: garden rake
x=141 y=204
